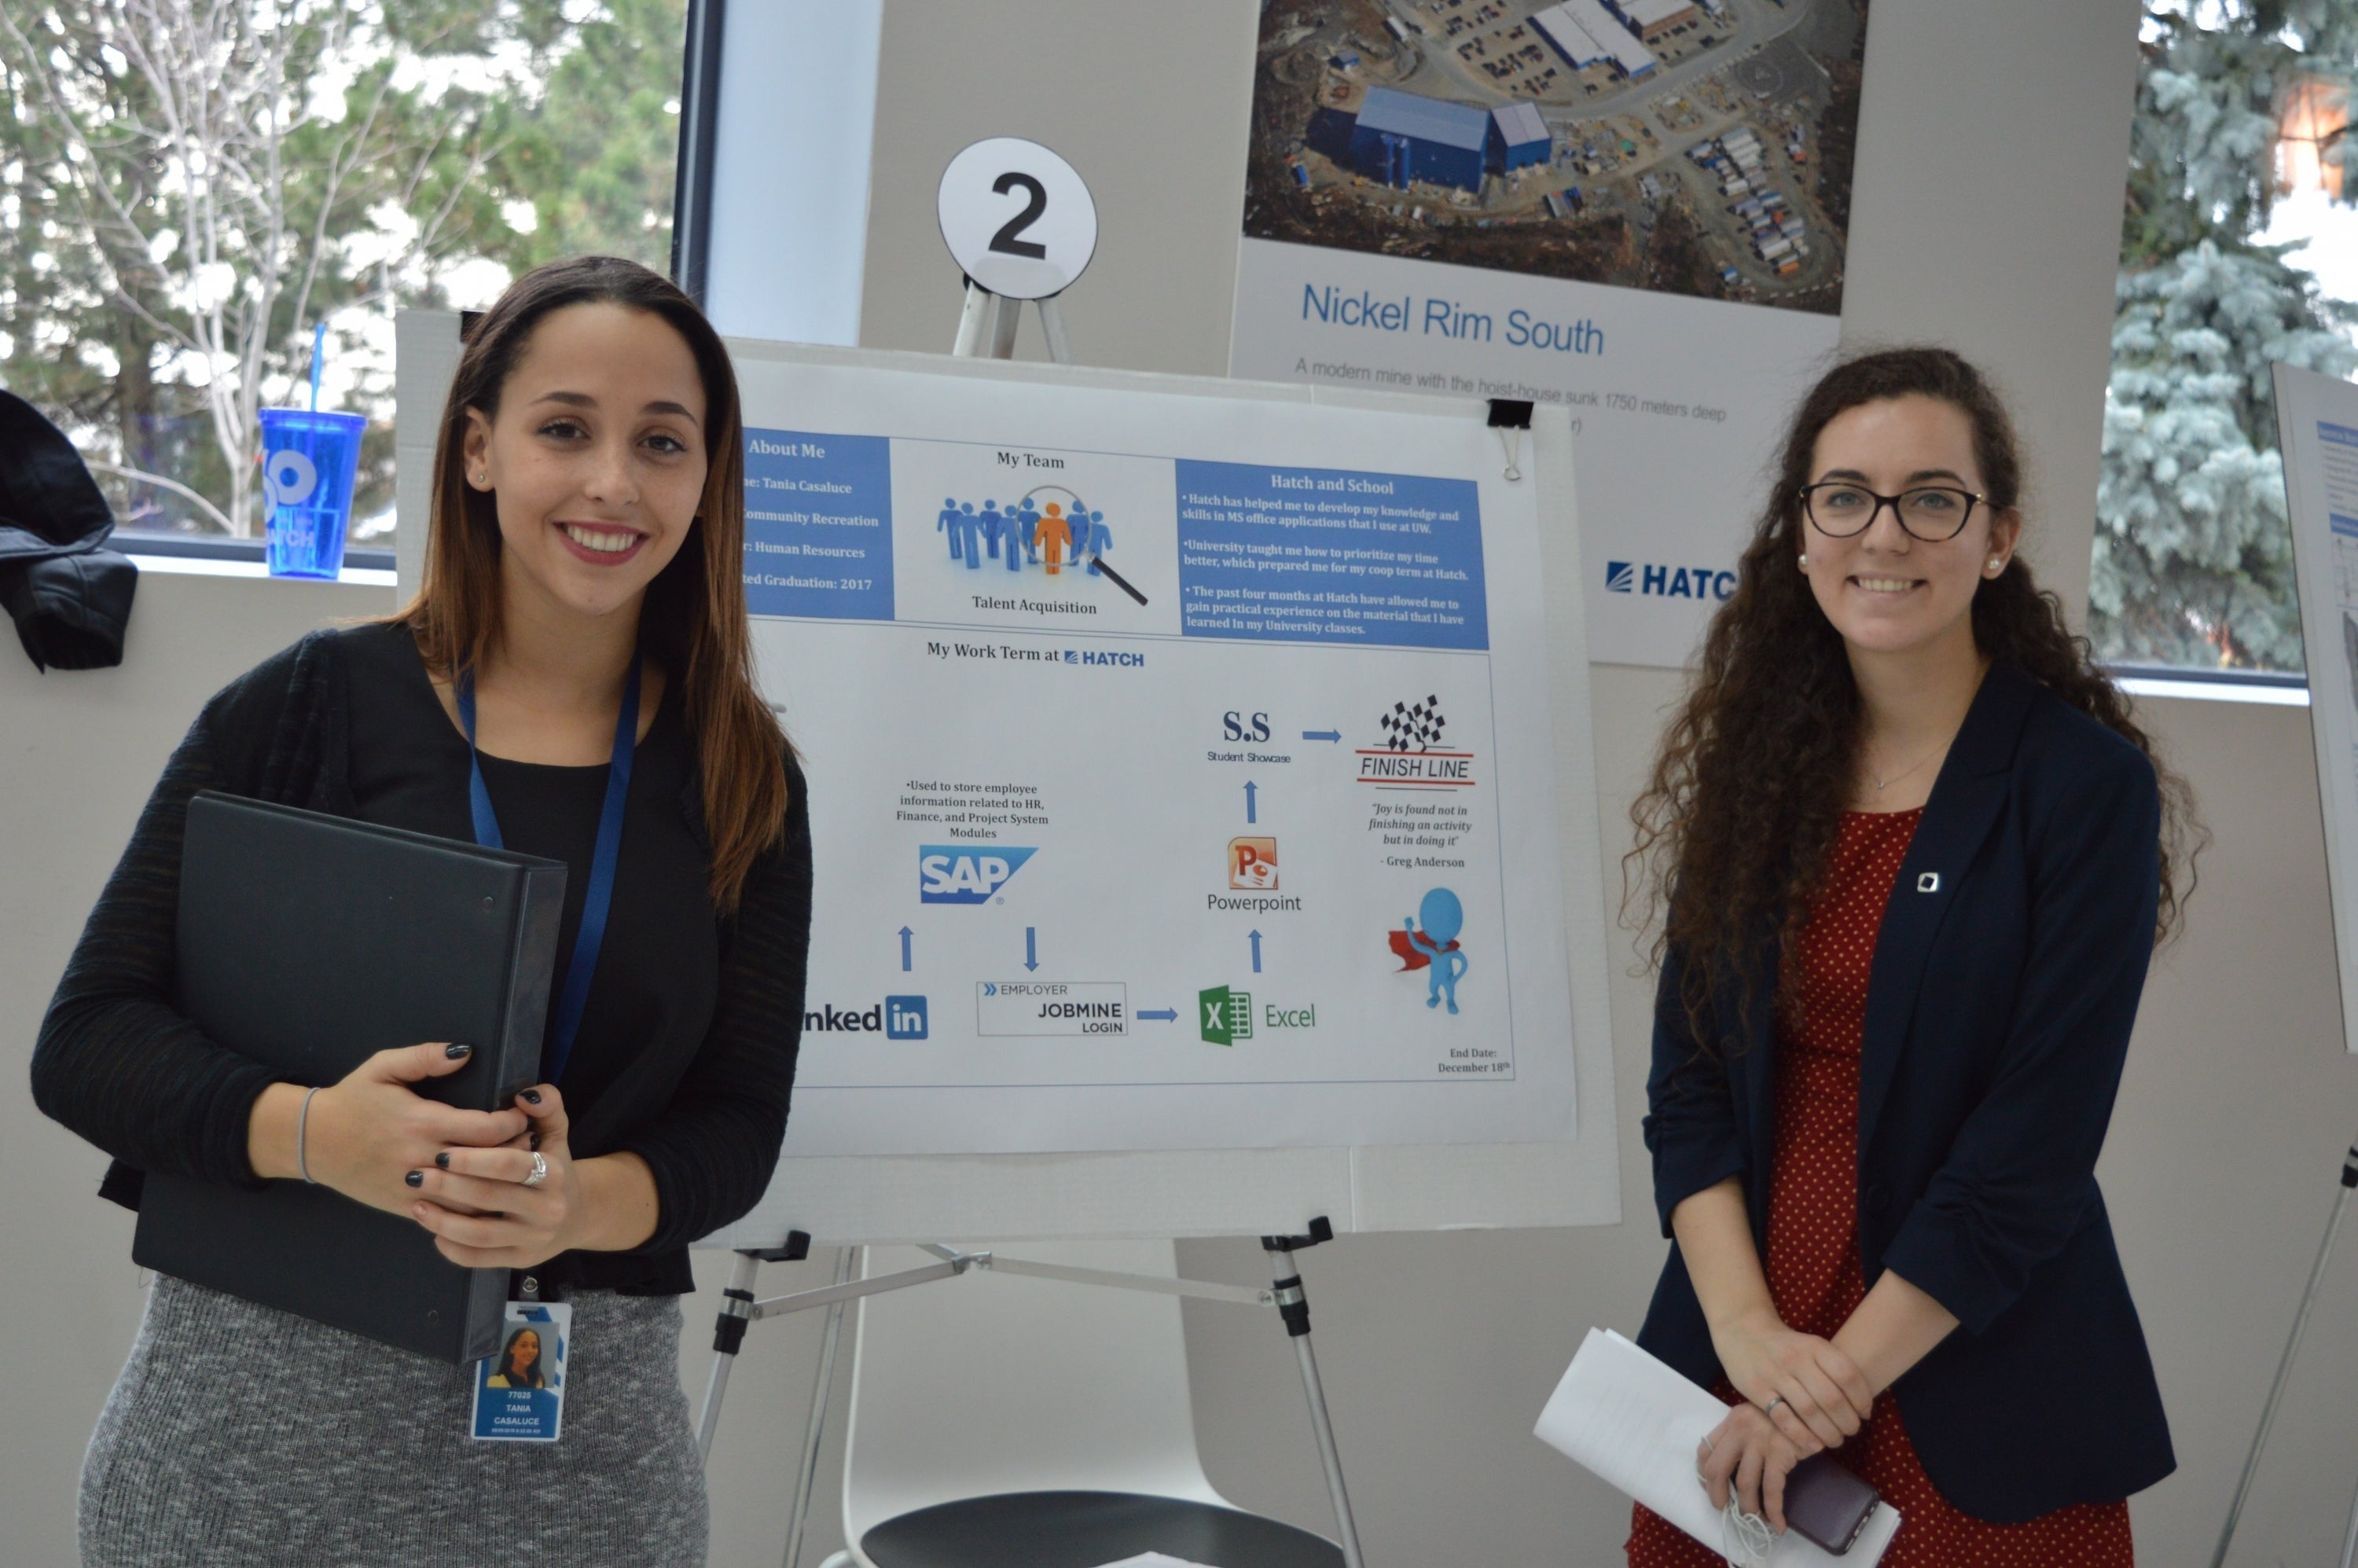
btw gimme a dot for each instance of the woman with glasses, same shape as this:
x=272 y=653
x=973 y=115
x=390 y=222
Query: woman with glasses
x=1913 y=853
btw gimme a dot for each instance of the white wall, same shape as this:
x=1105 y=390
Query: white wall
x=1986 y=212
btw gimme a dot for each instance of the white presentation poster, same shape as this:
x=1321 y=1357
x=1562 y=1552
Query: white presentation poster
x=1181 y=766
x=1636 y=209
x=2317 y=421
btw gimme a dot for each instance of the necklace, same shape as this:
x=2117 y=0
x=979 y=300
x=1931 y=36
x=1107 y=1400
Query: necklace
x=1910 y=768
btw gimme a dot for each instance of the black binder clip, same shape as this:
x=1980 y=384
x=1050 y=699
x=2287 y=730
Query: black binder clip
x=1508 y=416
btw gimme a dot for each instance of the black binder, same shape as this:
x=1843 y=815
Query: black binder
x=309 y=943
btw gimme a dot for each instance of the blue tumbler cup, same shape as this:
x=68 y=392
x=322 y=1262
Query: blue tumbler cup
x=308 y=459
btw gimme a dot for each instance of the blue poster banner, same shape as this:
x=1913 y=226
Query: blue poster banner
x=819 y=525
x=1288 y=555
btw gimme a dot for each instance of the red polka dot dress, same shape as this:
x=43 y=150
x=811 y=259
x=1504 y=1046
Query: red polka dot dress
x=1814 y=1275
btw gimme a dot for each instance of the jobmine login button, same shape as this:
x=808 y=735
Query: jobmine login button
x=1051 y=1008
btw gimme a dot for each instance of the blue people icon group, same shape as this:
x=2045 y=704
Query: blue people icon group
x=1053 y=536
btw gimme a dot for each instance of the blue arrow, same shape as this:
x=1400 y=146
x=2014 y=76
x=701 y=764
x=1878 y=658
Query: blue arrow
x=1322 y=734
x=904 y=949
x=1248 y=802
x=1030 y=948
x=1161 y=1015
x=1256 y=942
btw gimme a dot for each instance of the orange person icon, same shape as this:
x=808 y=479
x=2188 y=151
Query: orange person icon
x=1054 y=535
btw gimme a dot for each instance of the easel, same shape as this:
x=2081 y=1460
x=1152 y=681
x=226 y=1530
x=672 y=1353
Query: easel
x=994 y=317
x=740 y=1309
x=2284 y=1374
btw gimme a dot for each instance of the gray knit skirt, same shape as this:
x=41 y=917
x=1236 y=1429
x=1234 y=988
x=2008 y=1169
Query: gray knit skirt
x=242 y=1435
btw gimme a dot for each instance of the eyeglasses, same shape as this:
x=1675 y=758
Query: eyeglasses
x=1932 y=512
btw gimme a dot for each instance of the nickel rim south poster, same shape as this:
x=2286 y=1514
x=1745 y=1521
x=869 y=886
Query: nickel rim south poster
x=1636 y=209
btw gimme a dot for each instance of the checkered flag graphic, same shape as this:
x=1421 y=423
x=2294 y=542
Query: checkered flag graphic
x=1413 y=728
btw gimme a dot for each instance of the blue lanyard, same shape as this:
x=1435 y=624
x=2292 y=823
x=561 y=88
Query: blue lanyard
x=601 y=896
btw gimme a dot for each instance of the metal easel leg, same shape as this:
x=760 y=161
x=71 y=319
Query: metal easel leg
x=728 y=1335
x=1295 y=1308
x=1003 y=322
x=728 y=1329
x=1051 y=328
x=971 y=319
x=2350 y=1537
x=2284 y=1370
x=822 y=1393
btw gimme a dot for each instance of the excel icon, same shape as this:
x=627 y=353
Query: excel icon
x=1227 y=1015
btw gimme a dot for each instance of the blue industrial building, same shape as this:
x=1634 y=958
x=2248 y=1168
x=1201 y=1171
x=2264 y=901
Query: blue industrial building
x=1402 y=136
x=1519 y=137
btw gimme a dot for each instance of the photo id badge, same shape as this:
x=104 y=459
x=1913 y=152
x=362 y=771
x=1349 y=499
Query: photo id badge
x=520 y=1392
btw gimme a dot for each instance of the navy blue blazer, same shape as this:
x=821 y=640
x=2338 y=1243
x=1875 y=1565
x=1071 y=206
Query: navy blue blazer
x=2004 y=983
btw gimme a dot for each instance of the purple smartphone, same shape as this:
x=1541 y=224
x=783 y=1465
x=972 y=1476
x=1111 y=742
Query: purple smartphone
x=1828 y=1504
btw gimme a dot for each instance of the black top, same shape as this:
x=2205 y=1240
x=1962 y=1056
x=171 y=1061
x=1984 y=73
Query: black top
x=661 y=960
x=687 y=1048
x=2003 y=988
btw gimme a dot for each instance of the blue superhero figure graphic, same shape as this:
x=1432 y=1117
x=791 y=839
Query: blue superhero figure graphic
x=1443 y=918
x=992 y=524
x=947 y=523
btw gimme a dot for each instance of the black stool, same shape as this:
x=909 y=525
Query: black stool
x=1085 y=1530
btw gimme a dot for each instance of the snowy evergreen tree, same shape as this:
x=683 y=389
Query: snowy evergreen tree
x=2192 y=552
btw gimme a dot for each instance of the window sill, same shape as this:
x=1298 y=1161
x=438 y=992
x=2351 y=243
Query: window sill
x=2205 y=688
x=199 y=566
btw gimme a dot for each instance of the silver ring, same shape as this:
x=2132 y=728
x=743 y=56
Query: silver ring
x=1770 y=1409
x=1706 y=1447
x=539 y=1170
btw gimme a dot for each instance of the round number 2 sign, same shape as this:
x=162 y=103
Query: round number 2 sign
x=1017 y=218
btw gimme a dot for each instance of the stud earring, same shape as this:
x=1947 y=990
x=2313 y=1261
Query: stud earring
x=1997 y=565
x=1804 y=562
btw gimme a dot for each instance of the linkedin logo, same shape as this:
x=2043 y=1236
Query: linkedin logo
x=897 y=1018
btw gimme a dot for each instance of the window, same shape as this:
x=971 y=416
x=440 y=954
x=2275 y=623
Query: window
x=2237 y=148
x=158 y=286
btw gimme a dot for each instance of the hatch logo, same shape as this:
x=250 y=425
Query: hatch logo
x=1226 y=1016
x=1668 y=582
x=896 y=1018
x=949 y=874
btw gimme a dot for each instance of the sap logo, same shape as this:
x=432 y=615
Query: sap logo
x=897 y=1018
x=1668 y=582
x=948 y=874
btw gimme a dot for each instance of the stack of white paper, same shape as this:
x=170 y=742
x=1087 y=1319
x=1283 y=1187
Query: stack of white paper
x=1636 y=1424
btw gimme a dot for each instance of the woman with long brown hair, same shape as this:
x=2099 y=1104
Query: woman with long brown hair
x=574 y=681
x=1912 y=854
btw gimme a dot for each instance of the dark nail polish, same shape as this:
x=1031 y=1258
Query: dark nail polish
x=536 y=1140
x=415 y=1178
x=443 y=1160
x=457 y=1051
x=532 y=1096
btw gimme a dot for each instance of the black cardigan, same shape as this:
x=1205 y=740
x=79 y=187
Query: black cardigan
x=119 y=1065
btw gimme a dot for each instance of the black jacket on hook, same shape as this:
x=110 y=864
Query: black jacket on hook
x=70 y=598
